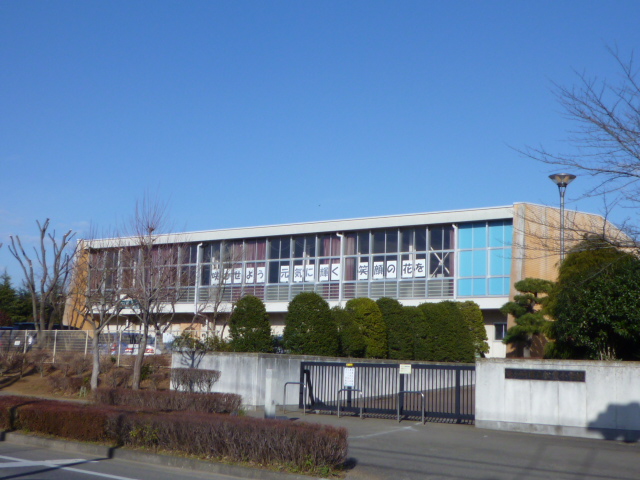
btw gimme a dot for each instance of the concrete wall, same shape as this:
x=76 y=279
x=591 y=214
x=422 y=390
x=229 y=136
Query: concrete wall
x=245 y=374
x=605 y=405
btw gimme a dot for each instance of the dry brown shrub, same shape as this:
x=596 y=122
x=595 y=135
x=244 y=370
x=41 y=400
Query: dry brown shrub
x=40 y=360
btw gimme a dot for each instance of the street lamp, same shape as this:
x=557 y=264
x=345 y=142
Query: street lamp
x=562 y=180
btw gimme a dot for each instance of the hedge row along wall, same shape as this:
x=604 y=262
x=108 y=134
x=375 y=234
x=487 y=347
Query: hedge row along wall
x=169 y=400
x=299 y=446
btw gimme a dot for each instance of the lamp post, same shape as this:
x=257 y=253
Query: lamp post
x=562 y=180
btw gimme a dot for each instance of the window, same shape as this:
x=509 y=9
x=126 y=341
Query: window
x=500 y=330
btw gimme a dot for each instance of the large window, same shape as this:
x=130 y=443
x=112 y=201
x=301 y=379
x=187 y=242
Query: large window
x=485 y=258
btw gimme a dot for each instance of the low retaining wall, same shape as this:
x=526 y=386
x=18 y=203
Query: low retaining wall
x=560 y=397
x=246 y=373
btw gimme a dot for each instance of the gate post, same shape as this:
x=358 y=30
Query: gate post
x=458 y=395
x=401 y=397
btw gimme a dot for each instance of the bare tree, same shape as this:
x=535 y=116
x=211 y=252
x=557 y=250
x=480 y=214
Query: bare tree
x=150 y=279
x=96 y=298
x=45 y=273
x=606 y=138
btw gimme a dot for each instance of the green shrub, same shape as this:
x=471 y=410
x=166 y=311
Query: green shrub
x=249 y=326
x=350 y=337
x=400 y=327
x=309 y=327
x=443 y=336
x=474 y=319
x=367 y=317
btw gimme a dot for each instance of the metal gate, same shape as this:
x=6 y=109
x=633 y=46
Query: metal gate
x=442 y=392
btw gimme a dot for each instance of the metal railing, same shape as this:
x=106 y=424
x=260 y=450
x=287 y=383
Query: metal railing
x=437 y=391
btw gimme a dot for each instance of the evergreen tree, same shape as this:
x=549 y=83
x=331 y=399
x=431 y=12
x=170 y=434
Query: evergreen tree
x=527 y=308
x=15 y=305
x=368 y=317
x=7 y=300
x=399 y=322
x=596 y=304
x=475 y=322
x=309 y=327
x=249 y=326
x=352 y=343
x=444 y=335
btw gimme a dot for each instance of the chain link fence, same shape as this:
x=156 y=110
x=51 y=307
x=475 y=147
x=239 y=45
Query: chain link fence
x=122 y=344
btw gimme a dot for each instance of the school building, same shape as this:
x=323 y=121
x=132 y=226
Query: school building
x=475 y=254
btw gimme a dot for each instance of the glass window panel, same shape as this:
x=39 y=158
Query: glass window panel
x=350 y=269
x=435 y=238
x=351 y=239
x=206 y=254
x=508 y=234
x=447 y=237
x=285 y=248
x=466 y=264
x=479 y=286
x=421 y=239
x=465 y=288
x=465 y=236
x=298 y=247
x=325 y=246
x=310 y=245
x=407 y=240
x=378 y=241
x=497 y=264
x=274 y=272
x=335 y=245
x=496 y=234
x=205 y=277
x=480 y=263
x=496 y=286
x=274 y=249
x=363 y=242
x=479 y=235
x=392 y=241
x=215 y=251
x=500 y=330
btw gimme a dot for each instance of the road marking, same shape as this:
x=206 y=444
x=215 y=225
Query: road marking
x=395 y=430
x=59 y=464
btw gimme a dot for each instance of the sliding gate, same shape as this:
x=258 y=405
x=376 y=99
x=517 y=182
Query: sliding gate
x=444 y=392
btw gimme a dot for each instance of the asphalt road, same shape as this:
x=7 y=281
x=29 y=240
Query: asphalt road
x=387 y=450
x=21 y=462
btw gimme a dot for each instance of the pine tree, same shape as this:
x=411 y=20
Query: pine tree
x=527 y=308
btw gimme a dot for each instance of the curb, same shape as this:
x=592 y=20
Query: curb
x=149 y=458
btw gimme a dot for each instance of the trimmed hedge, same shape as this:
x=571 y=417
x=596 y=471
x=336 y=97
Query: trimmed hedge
x=169 y=400
x=239 y=439
x=194 y=380
x=283 y=444
x=8 y=406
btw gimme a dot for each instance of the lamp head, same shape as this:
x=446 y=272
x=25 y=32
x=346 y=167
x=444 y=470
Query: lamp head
x=562 y=179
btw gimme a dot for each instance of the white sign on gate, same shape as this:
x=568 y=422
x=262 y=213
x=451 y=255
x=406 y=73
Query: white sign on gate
x=349 y=377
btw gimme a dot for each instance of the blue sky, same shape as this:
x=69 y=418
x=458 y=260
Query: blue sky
x=243 y=113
